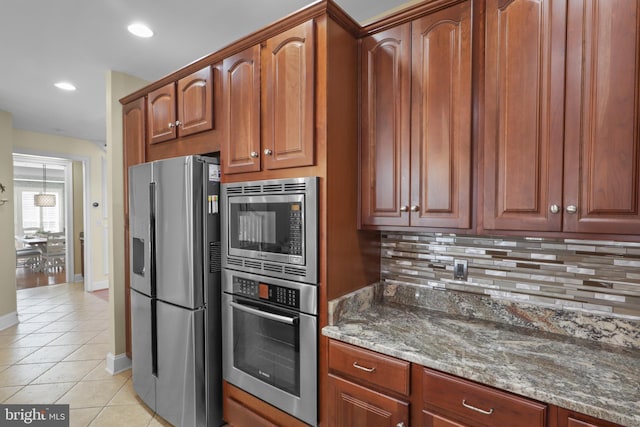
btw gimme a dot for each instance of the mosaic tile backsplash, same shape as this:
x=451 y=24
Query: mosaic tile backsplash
x=601 y=277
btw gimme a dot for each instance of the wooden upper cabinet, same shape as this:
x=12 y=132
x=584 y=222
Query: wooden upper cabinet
x=161 y=107
x=241 y=112
x=195 y=102
x=602 y=128
x=385 y=122
x=416 y=122
x=288 y=124
x=190 y=112
x=524 y=87
x=441 y=119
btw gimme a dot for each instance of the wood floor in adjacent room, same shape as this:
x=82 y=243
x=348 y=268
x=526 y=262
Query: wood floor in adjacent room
x=28 y=278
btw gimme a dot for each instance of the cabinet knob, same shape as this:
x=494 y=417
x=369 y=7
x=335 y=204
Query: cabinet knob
x=400 y=424
x=415 y=208
x=254 y=154
x=267 y=152
x=178 y=123
x=554 y=209
x=171 y=125
x=404 y=208
x=571 y=209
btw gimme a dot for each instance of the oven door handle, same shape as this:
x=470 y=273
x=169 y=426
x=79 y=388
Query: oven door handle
x=265 y=314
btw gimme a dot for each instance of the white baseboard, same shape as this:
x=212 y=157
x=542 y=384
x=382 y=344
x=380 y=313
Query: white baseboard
x=117 y=363
x=8 y=320
x=96 y=286
x=78 y=278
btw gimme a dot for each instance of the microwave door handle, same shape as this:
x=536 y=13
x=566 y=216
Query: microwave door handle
x=266 y=315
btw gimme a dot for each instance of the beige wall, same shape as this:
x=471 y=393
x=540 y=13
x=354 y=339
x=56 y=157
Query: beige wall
x=118 y=86
x=96 y=272
x=7 y=243
x=78 y=217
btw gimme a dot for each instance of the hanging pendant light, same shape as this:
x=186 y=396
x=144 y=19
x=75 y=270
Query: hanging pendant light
x=43 y=199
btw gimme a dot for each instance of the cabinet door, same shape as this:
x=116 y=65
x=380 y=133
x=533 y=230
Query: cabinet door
x=133 y=136
x=384 y=126
x=568 y=418
x=195 y=102
x=523 y=113
x=241 y=112
x=161 y=117
x=441 y=119
x=356 y=406
x=289 y=102
x=602 y=142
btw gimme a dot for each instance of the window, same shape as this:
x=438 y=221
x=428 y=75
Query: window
x=47 y=219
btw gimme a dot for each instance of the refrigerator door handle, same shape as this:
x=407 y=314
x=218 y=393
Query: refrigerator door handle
x=152 y=237
x=154 y=337
x=265 y=314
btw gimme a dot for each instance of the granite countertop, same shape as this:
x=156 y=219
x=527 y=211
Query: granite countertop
x=589 y=377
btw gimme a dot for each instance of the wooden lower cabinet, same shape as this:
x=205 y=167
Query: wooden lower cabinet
x=567 y=418
x=456 y=400
x=241 y=409
x=357 y=406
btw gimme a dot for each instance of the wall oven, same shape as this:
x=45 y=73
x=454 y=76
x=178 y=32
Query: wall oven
x=270 y=227
x=270 y=340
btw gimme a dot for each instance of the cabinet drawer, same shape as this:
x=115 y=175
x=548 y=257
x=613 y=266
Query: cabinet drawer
x=373 y=368
x=479 y=405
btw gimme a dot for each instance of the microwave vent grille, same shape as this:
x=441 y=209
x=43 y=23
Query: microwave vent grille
x=295 y=186
x=272 y=188
x=252 y=189
x=234 y=190
x=296 y=271
x=234 y=261
x=272 y=267
x=252 y=264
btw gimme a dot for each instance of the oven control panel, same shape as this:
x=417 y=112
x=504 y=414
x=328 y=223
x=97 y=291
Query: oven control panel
x=266 y=292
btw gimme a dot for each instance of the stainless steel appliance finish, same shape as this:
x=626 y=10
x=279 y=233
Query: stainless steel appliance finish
x=175 y=289
x=271 y=228
x=270 y=341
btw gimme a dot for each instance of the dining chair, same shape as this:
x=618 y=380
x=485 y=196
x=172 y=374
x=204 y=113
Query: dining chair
x=53 y=252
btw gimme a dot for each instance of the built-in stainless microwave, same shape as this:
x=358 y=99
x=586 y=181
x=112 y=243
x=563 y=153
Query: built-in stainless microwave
x=270 y=227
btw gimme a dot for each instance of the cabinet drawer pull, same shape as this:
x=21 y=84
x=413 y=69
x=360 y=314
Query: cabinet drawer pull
x=355 y=365
x=473 y=408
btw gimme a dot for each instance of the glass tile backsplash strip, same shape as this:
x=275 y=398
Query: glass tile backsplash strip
x=590 y=275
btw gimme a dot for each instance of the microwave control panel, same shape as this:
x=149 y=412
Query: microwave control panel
x=266 y=292
x=295 y=229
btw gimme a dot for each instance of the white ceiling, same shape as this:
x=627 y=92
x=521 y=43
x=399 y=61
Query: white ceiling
x=44 y=41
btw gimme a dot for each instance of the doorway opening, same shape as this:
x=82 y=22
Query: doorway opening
x=48 y=220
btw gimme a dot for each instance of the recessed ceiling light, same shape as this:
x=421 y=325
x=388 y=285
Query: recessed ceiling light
x=65 y=86
x=140 y=30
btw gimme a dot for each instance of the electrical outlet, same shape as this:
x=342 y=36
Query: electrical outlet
x=460 y=269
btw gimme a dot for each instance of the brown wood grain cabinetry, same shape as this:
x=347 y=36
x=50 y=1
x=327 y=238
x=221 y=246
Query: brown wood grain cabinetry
x=602 y=121
x=241 y=112
x=416 y=122
x=280 y=132
x=556 y=158
x=133 y=136
x=182 y=108
x=289 y=70
x=456 y=400
x=367 y=388
x=567 y=418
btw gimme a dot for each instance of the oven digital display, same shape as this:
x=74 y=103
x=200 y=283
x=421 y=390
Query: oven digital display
x=263 y=291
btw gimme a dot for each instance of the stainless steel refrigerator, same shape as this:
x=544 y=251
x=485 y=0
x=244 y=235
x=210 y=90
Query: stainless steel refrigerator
x=175 y=288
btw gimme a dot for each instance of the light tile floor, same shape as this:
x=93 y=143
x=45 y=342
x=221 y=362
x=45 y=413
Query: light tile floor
x=56 y=354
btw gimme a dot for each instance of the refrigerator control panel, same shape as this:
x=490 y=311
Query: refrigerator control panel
x=266 y=292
